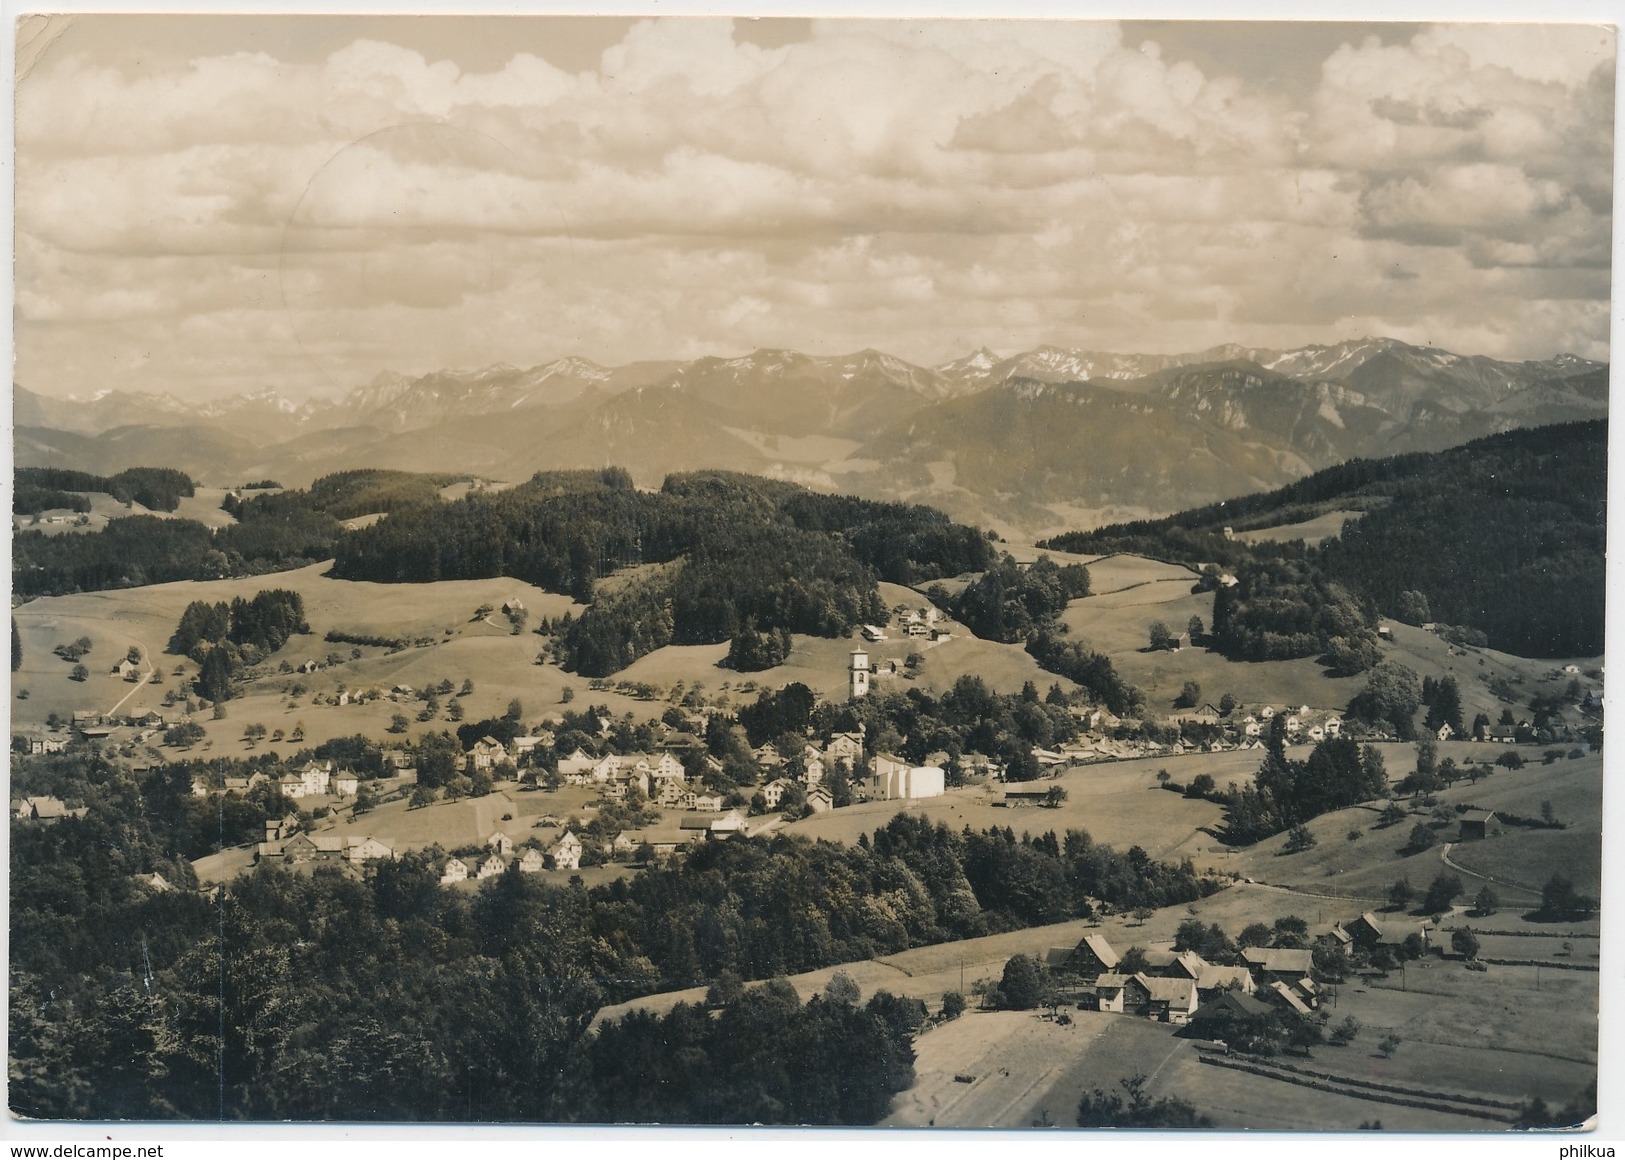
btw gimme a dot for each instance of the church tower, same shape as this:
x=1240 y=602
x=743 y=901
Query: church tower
x=859 y=674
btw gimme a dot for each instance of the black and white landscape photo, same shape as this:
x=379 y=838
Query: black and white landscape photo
x=931 y=573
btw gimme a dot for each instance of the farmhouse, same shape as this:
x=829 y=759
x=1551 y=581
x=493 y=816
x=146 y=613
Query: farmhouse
x=1479 y=824
x=456 y=870
x=1122 y=994
x=1285 y=994
x=487 y=752
x=565 y=853
x=531 y=862
x=1170 y=1000
x=819 y=799
x=1366 y=931
x=501 y=843
x=40 y=741
x=1279 y=962
x=773 y=792
x=346 y=784
x=1094 y=956
x=1216 y=980
x=491 y=867
x=661 y=842
x=44 y=809
x=1168 y=964
x=127 y=669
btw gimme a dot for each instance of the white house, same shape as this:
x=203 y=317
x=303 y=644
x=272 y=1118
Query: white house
x=456 y=871
x=773 y=792
x=501 y=843
x=565 y=853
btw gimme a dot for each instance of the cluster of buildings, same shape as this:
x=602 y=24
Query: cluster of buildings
x=563 y=853
x=283 y=844
x=1172 y=986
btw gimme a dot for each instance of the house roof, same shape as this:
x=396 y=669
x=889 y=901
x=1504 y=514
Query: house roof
x=1289 y=998
x=1481 y=816
x=1279 y=960
x=1240 y=1003
x=1101 y=949
x=1177 y=993
x=1215 y=978
x=1112 y=981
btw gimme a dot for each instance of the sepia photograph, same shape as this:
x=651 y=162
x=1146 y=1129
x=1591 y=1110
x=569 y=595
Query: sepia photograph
x=909 y=573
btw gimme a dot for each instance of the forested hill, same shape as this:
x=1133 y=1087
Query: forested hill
x=1504 y=535
x=746 y=559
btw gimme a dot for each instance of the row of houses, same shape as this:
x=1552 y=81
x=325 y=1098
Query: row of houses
x=1172 y=985
x=351 y=849
x=315 y=779
x=564 y=853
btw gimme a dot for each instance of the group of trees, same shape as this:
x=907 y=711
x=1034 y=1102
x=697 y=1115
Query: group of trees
x=1286 y=793
x=767 y=1058
x=1501 y=537
x=157 y=488
x=1008 y=602
x=742 y=556
x=223 y=637
x=1282 y=608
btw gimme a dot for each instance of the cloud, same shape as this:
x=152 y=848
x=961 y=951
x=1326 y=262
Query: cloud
x=923 y=187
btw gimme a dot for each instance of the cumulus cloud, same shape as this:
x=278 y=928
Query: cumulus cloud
x=924 y=187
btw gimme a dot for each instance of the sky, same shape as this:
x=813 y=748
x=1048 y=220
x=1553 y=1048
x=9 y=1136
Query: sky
x=214 y=204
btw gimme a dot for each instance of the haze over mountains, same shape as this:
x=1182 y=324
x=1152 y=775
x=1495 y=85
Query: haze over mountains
x=1042 y=440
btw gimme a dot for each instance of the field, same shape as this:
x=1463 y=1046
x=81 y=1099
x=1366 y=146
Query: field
x=202 y=506
x=1508 y=1034
x=1311 y=531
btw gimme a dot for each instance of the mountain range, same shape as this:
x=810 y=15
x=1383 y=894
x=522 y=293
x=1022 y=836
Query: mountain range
x=1042 y=440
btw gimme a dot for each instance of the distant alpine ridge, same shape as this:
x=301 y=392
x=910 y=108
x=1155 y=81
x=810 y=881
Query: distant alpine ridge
x=1033 y=442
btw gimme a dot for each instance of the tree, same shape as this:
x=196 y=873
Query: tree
x=1196 y=629
x=1161 y=635
x=398 y=723
x=515 y=710
x=1388 y=1044
x=1054 y=797
x=842 y=988
x=1511 y=759
x=1255 y=934
x=1190 y=695
x=1227 y=704
x=1392 y=814
x=1298 y=839
x=1163 y=777
x=1559 y=899
x=79 y=673
x=1400 y=894
x=1464 y=942
x=422 y=795
x=1344 y=1033
x=1486 y=902
x=1442 y=892
x=727 y=988
x=365 y=800
x=953 y=1005
x=1200 y=786
x=1547 y=814
x=1022 y=985
x=1421 y=838
x=1412 y=608
x=1391 y=696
